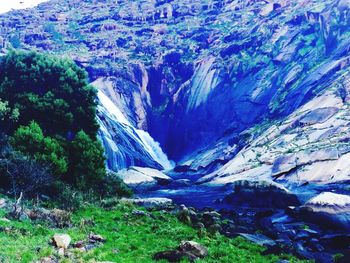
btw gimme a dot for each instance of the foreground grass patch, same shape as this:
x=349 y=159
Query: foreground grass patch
x=130 y=238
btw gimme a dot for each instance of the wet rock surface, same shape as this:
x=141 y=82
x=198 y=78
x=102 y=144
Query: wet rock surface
x=260 y=194
x=279 y=230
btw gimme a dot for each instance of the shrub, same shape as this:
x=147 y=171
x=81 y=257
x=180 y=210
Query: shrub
x=52 y=91
x=87 y=162
x=23 y=174
x=30 y=140
x=67 y=197
x=8 y=116
x=113 y=186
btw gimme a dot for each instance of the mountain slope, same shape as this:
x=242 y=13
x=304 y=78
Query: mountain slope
x=207 y=79
x=200 y=69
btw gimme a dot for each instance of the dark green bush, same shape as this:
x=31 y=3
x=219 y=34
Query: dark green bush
x=113 y=186
x=49 y=110
x=87 y=162
x=30 y=140
x=68 y=197
x=52 y=91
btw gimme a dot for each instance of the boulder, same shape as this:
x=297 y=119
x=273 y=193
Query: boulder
x=187 y=249
x=259 y=239
x=211 y=218
x=93 y=238
x=194 y=248
x=141 y=178
x=328 y=209
x=140 y=213
x=172 y=256
x=62 y=240
x=261 y=194
x=329 y=202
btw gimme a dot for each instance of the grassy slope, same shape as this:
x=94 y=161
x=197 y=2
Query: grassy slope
x=135 y=238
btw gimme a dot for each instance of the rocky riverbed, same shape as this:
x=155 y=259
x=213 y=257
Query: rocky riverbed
x=284 y=230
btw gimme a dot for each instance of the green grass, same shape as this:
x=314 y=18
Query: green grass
x=135 y=239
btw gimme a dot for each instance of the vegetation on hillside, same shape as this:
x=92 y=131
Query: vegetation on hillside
x=52 y=91
x=48 y=124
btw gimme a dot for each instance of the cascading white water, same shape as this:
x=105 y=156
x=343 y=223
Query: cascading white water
x=154 y=149
x=112 y=109
x=132 y=139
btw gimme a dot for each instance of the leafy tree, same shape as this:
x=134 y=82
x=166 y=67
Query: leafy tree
x=49 y=111
x=87 y=161
x=8 y=116
x=31 y=141
x=52 y=91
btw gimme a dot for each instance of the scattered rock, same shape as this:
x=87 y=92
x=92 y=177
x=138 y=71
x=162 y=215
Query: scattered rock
x=93 y=238
x=187 y=249
x=157 y=203
x=23 y=217
x=140 y=213
x=194 y=248
x=89 y=247
x=259 y=239
x=62 y=240
x=60 y=251
x=3 y=203
x=79 y=244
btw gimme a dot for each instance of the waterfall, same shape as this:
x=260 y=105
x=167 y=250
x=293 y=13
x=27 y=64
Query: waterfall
x=124 y=144
x=154 y=149
x=112 y=108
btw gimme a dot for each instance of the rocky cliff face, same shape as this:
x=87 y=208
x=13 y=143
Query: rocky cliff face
x=232 y=90
x=192 y=72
